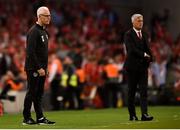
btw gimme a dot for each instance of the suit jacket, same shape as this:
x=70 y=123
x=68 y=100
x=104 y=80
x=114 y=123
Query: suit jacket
x=36 y=48
x=136 y=48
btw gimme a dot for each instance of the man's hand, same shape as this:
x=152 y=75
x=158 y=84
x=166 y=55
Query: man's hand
x=41 y=72
x=146 y=55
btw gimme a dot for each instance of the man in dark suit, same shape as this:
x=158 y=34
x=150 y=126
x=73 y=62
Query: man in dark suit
x=36 y=67
x=136 y=65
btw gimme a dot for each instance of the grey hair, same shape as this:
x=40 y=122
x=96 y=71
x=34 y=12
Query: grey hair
x=134 y=16
x=41 y=9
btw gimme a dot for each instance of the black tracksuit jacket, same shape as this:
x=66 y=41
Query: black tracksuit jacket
x=36 y=48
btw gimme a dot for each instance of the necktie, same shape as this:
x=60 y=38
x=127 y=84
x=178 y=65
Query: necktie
x=139 y=35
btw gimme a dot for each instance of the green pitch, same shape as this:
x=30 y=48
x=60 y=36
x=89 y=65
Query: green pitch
x=165 y=117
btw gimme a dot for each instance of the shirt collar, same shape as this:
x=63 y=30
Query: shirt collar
x=136 y=30
x=41 y=27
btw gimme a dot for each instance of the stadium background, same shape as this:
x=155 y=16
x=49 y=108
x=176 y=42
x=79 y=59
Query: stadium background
x=88 y=35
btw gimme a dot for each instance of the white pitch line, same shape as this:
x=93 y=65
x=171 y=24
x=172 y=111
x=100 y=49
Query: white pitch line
x=139 y=122
x=128 y=123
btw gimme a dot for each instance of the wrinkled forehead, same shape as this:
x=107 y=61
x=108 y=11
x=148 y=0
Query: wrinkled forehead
x=138 y=18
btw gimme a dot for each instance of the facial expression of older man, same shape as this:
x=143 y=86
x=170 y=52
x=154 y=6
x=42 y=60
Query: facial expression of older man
x=138 y=22
x=44 y=16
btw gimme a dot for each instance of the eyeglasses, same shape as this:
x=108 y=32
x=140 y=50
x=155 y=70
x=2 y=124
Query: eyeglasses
x=45 y=15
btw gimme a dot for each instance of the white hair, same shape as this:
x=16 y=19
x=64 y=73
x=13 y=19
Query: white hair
x=134 y=16
x=41 y=10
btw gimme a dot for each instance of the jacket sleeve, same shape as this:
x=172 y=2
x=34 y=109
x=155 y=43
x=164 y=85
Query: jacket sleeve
x=32 y=40
x=130 y=46
x=148 y=50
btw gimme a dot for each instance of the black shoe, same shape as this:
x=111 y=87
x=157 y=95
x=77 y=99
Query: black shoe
x=29 y=121
x=146 y=117
x=44 y=121
x=133 y=118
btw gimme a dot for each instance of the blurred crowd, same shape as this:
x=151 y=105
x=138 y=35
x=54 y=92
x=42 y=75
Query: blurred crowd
x=86 y=54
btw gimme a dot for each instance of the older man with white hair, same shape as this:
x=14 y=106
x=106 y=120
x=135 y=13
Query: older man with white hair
x=136 y=66
x=36 y=67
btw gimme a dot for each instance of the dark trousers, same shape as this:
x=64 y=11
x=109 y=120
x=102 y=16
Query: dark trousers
x=137 y=79
x=35 y=90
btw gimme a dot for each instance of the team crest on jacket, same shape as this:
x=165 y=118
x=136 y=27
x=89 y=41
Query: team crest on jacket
x=35 y=74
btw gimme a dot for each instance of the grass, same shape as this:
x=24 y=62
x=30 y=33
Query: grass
x=165 y=117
